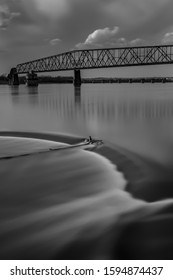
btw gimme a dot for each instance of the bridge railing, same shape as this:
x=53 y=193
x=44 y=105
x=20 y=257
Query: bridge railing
x=101 y=58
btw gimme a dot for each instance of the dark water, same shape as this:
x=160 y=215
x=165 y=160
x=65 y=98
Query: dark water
x=53 y=200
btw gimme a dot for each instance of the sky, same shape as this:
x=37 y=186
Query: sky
x=31 y=29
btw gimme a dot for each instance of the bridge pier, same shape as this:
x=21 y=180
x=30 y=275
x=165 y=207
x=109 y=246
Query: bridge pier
x=13 y=78
x=31 y=79
x=77 y=78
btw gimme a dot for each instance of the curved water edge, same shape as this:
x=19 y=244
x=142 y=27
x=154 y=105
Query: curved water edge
x=68 y=198
x=48 y=136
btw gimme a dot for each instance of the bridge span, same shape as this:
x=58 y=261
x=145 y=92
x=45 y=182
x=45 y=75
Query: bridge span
x=99 y=58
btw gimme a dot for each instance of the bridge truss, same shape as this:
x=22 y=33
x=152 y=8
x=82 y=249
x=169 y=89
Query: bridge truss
x=100 y=58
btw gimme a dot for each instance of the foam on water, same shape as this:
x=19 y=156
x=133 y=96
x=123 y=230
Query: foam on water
x=48 y=201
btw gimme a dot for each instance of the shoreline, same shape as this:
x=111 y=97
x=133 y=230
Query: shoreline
x=67 y=138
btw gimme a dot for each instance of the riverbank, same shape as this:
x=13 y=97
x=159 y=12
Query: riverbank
x=128 y=80
x=69 y=80
x=89 y=214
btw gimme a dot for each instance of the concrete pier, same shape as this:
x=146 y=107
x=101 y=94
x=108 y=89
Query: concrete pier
x=13 y=78
x=77 y=78
x=31 y=79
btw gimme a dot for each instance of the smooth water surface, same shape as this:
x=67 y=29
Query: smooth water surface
x=136 y=116
x=52 y=200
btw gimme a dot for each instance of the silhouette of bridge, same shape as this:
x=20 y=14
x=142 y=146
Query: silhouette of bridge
x=100 y=58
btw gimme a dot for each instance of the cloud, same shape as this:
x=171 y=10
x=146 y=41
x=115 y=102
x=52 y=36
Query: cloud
x=137 y=42
x=6 y=16
x=101 y=36
x=122 y=42
x=55 y=41
x=107 y=37
x=168 y=38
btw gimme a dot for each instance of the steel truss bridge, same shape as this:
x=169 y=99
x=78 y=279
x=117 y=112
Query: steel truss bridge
x=100 y=58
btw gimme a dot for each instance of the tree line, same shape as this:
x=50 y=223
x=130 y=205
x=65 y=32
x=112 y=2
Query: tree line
x=41 y=79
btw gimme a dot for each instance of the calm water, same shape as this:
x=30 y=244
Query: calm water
x=136 y=116
x=53 y=200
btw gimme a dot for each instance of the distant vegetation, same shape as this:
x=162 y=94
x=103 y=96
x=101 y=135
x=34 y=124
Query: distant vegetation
x=3 y=79
x=41 y=79
x=69 y=80
x=58 y=79
x=48 y=79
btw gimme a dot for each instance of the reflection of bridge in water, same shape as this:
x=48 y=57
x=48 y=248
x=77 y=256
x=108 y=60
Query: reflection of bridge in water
x=78 y=107
x=75 y=106
x=97 y=58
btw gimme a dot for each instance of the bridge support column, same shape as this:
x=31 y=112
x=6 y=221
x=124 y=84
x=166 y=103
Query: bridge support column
x=13 y=78
x=31 y=79
x=77 y=78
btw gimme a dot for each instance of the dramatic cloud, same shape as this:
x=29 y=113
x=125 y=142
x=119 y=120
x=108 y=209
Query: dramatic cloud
x=55 y=41
x=168 y=38
x=6 y=16
x=101 y=37
x=107 y=37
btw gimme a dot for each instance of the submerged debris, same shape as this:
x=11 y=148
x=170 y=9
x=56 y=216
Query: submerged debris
x=90 y=140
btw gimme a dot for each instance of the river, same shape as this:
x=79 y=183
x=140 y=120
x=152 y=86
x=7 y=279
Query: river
x=135 y=116
x=52 y=200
